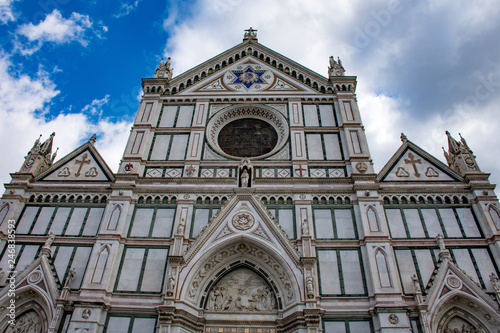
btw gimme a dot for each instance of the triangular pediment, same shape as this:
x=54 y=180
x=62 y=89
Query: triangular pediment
x=83 y=164
x=38 y=276
x=452 y=289
x=219 y=75
x=242 y=233
x=244 y=216
x=249 y=75
x=412 y=164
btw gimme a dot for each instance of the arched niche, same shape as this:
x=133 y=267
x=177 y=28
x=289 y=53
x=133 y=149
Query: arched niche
x=3 y=212
x=225 y=257
x=243 y=289
x=371 y=215
x=114 y=218
x=33 y=311
x=458 y=320
x=465 y=308
x=383 y=268
x=495 y=216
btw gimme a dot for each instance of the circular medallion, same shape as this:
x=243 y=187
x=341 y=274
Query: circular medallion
x=86 y=313
x=361 y=167
x=393 y=319
x=243 y=221
x=453 y=282
x=35 y=277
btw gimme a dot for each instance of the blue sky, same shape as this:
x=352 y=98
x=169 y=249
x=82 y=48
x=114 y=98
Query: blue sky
x=423 y=67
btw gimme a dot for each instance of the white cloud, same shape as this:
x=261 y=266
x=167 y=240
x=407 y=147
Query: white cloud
x=95 y=107
x=24 y=102
x=126 y=8
x=6 y=11
x=56 y=29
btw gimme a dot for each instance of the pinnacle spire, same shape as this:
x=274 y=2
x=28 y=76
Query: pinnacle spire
x=459 y=156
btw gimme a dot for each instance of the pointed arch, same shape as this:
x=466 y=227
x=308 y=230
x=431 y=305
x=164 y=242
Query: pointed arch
x=372 y=217
x=209 y=266
x=382 y=268
x=495 y=215
x=221 y=295
x=30 y=301
x=114 y=218
x=3 y=212
x=101 y=262
x=459 y=320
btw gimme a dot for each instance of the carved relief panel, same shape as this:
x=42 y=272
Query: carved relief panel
x=242 y=290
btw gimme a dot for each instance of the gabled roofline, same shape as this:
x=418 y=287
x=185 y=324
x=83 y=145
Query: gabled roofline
x=407 y=144
x=239 y=49
x=87 y=145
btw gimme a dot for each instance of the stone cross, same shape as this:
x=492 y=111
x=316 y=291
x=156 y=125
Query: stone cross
x=82 y=162
x=413 y=163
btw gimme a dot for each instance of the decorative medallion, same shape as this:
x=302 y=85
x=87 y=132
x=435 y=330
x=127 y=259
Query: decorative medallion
x=453 y=282
x=128 y=167
x=361 y=167
x=35 y=277
x=243 y=221
x=393 y=319
x=248 y=77
x=86 y=313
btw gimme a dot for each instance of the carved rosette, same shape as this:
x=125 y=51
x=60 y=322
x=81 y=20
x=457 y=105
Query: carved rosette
x=243 y=221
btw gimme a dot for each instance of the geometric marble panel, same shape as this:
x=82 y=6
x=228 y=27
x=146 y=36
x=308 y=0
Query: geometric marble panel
x=173 y=173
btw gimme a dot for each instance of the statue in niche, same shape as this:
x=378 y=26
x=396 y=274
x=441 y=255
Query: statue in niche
x=28 y=322
x=245 y=173
x=180 y=228
x=244 y=178
x=310 y=287
x=305 y=228
x=242 y=290
x=171 y=284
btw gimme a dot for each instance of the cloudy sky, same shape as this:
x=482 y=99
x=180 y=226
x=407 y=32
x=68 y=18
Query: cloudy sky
x=423 y=67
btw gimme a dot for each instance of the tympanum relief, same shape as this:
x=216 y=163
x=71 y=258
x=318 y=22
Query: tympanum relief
x=241 y=291
x=458 y=325
x=28 y=322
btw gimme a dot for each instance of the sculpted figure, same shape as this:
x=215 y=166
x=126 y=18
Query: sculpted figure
x=244 y=178
x=305 y=228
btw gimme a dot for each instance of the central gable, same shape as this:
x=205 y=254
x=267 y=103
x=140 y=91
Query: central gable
x=249 y=76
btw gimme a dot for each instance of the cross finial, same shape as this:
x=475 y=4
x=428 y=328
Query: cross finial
x=250 y=34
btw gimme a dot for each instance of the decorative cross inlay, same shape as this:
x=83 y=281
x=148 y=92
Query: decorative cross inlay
x=413 y=163
x=82 y=162
x=300 y=170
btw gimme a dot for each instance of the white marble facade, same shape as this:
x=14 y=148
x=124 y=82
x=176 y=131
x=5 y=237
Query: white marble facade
x=186 y=237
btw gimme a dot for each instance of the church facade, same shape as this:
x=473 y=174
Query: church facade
x=246 y=201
